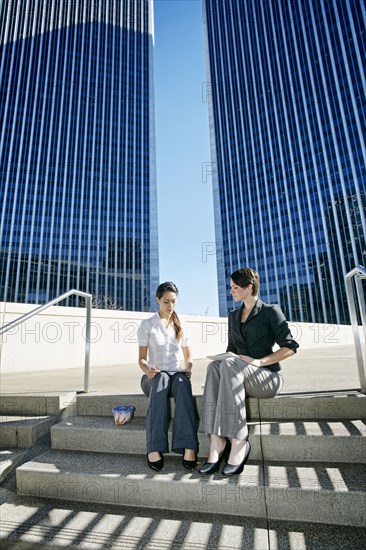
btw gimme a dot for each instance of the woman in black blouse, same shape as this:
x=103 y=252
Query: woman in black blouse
x=254 y=370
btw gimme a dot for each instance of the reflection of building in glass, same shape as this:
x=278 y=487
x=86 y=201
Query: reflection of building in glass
x=287 y=117
x=77 y=167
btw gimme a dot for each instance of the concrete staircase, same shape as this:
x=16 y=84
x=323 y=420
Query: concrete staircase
x=302 y=470
x=306 y=468
x=24 y=420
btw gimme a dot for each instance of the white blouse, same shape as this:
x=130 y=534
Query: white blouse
x=164 y=350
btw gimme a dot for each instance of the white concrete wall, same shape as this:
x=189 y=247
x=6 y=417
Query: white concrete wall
x=55 y=339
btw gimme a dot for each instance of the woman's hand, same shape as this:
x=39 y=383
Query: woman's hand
x=151 y=373
x=188 y=372
x=271 y=359
x=250 y=360
x=188 y=364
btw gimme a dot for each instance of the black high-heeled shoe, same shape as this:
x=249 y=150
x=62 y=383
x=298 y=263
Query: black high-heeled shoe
x=212 y=467
x=189 y=464
x=157 y=465
x=231 y=469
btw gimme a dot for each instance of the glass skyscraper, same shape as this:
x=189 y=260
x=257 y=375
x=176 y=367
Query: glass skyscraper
x=286 y=90
x=78 y=205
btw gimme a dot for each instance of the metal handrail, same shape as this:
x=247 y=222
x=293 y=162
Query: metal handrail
x=357 y=274
x=39 y=309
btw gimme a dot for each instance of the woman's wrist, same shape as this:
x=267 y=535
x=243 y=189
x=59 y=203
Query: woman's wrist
x=144 y=367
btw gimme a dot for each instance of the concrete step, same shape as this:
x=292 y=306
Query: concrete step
x=23 y=432
x=284 y=441
x=9 y=459
x=327 y=406
x=35 y=404
x=324 y=493
x=33 y=524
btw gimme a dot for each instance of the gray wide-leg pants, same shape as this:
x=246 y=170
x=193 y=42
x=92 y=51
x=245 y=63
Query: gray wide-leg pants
x=158 y=390
x=227 y=383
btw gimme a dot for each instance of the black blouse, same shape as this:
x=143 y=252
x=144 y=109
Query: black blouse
x=265 y=326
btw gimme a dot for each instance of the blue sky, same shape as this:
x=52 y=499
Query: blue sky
x=185 y=204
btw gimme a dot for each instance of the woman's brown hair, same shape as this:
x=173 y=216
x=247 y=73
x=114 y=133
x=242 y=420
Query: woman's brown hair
x=246 y=276
x=170 y=287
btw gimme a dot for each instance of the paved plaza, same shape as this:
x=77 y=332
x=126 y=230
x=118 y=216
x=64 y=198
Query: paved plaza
x=331 y=368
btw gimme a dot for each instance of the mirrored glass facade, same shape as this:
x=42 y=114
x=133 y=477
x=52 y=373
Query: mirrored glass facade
x=286 y=82
x=78 y=205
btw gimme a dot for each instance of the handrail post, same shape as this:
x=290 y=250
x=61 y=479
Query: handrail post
x=87 y=343
x=361 y=303
x=357 y=273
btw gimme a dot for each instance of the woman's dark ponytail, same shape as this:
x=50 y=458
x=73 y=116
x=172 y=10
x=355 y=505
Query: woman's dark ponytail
x=177 y=326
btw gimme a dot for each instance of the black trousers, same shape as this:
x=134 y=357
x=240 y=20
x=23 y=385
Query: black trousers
x=158 y=390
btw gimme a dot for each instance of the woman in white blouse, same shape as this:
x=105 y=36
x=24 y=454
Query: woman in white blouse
x=163 y=340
